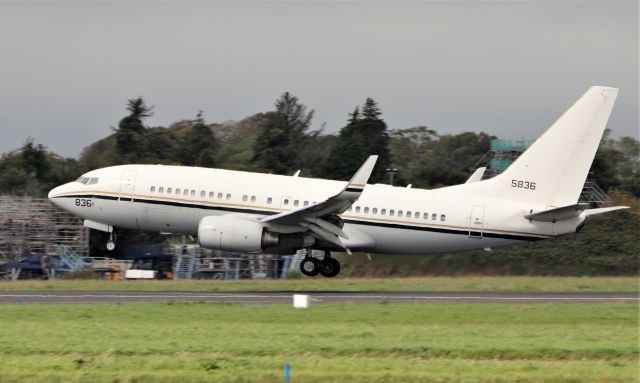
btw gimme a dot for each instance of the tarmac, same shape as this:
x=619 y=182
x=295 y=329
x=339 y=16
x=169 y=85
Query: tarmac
x=315 y=297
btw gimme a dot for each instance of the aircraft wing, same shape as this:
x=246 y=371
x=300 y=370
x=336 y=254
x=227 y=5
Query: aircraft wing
x=321 y=218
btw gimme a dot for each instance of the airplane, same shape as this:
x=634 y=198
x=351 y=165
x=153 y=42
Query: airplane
x=533 y=199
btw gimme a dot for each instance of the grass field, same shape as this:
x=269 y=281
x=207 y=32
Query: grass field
x=470 y=283
x=176 y=342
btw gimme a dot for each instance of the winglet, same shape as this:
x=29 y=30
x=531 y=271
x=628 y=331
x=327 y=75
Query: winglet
x=361 y=177
x=476 y=176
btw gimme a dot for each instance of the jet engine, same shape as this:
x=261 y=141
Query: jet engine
x=233 y=233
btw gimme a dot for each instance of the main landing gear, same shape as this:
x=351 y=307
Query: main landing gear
x=328 y=267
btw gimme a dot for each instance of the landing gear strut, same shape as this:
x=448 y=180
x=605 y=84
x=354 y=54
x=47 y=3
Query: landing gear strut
x=328 y=267
x=111 y=243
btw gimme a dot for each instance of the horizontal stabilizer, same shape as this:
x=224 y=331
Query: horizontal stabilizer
x=568 y=212
x=558 y=213
x=601 y=210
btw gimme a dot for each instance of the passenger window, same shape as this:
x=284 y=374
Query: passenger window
x=212 y=194
x=286 y=202
x=434 y=216
x=296 y=202
x=269 y=200
x=228 y=196
x=153 y=189
x=177 y=191
x=366 y=210
x=161 y=189
x=350 y=208
x=392 y=212
x=416 y=215
x=169 y=190
x=383 y=211
x=244 y=197
x=425 y=215
x=357 y=209
x=193 y=193
x=253 y=198
x=306 y=203
x=408 y=214
x=202 y=193
x=185 y=192
x=399 y=213
x=442 y=217
x=374 y=210
x=219 y=195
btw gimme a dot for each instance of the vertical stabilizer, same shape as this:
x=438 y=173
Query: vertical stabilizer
x=553 y=169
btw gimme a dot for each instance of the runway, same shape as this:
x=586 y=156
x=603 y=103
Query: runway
x=316 y=297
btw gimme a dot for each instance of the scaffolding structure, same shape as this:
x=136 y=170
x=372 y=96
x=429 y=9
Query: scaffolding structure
x=34 y=226
x=504 y=152
x=242 y=266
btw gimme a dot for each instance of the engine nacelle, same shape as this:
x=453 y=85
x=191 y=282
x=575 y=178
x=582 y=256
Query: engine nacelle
x=234 y=233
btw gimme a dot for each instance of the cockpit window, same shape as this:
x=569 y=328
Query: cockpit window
x=93 y=181
x=83 y=180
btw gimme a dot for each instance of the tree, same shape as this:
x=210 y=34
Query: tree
x=34 y=159
x=34 y=170
x=365 y=134
x=198 y=146
x=130 y=135
x=283 y=136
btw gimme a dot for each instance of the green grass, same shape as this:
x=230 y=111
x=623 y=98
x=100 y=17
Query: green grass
x=147 y=342
x=472 y=283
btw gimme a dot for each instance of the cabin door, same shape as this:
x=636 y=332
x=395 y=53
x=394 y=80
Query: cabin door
x=127 y=184
x=476 y=222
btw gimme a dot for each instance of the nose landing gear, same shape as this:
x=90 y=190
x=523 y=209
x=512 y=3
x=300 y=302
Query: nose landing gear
x=327 y=267
x=111 y=243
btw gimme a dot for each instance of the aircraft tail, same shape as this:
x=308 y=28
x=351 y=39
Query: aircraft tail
x=552 y=171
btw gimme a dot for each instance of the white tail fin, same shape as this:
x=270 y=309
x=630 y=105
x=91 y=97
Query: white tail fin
x=553 y=169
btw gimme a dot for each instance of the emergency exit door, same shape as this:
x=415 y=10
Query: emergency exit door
x=476 y=222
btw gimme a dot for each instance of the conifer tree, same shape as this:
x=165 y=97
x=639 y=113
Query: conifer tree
x=198 y=146
x=130 y=135
x=365 y=134
x=283 y=136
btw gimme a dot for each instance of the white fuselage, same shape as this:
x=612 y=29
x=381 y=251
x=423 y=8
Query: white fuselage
x=384 y=219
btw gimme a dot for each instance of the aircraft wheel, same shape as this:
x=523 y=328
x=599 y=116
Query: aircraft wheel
x=329 y=267
x=310 y=266
x=111 y=243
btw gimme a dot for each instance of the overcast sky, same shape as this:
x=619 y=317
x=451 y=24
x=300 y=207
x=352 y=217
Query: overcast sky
x=507 y=68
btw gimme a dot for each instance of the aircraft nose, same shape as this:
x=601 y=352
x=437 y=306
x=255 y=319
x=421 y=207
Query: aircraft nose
x=54 y=193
